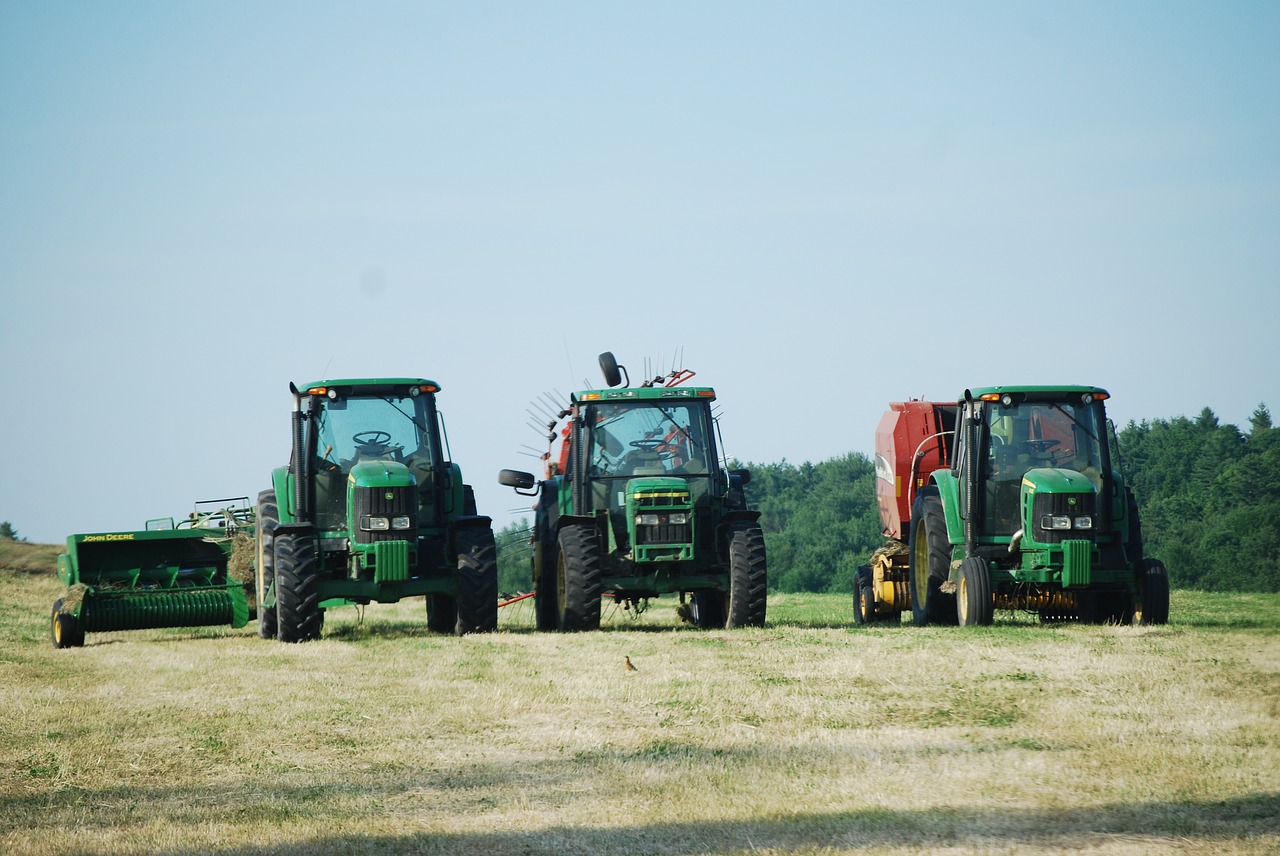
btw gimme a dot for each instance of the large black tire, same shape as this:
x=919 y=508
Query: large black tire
x=930 y=560
x=710 y=608
x=546 y=615
x=268 y=519
x=864 y=600
x=67 y=632
x=477 y=581
x=442 y=613
x=748 y=577
x=1153 y=608
x=578 y=572
x=297 y=588
x=974 y=604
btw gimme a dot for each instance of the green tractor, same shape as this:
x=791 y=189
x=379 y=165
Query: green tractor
x=370 y=509
x=1008 y=499
x=637 y=504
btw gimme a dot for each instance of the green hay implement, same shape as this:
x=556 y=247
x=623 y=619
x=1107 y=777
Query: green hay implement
x=189 y=574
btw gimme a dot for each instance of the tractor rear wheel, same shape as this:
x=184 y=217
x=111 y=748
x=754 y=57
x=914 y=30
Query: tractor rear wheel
x=930 y=560
x=709 y=608
x=442 y=613
x=748 y=577
x=974 y=605
x=1153 y=607
x=477 y=581
x=297 y=588
x=66 y=629
x=268 y=519
x=578 y=575
x=545 y=614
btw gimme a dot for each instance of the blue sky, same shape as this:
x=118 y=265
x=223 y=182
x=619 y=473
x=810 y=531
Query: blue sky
x=818 y=207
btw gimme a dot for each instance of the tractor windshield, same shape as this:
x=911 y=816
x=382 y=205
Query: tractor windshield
x=654 y=438
x=1035 y=434
x=355 y=428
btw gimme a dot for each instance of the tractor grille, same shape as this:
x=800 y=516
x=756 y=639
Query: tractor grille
x=388 y=502
x=1071 y=505
x=666 y=533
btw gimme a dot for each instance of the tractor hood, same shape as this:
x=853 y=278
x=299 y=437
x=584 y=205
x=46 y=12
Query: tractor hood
x=380 y=473
x=1053 y=480
x=1058 y=505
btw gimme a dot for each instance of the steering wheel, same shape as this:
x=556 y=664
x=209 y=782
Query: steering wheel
x=372 y=442
x=654 y=446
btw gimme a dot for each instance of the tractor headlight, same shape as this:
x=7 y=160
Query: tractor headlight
x=400 y=522
x=375 y=524
x=1084 y=523
x=647 y=518
x=1055 y=521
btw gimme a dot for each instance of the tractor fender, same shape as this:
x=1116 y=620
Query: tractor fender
x=738 y=514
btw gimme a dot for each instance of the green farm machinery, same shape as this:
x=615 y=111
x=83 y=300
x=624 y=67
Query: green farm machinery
x=1009 y=498
x=190 y=573
x=370 y=509
x=636 y=504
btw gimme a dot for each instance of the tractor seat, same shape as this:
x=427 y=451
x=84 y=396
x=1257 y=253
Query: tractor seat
x=646 y=464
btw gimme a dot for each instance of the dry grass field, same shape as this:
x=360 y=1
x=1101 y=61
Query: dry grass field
x=809 y=736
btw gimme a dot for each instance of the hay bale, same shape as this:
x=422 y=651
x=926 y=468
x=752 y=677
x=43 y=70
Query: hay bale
x=240 y=565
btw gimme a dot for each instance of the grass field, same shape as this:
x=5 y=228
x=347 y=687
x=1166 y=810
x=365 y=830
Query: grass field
x=807 y=736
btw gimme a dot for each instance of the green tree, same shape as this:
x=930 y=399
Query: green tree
x=515 y=554
x=1260 y=421
x=7 y=532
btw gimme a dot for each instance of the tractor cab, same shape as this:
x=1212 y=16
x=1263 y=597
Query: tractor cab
x=1038 y=461
x=648 y=461
x=370 y=435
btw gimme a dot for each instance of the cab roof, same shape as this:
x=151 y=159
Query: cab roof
x=370 y=385
x=646 y=393
x=1034 y=391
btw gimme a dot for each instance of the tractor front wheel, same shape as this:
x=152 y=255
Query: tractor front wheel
x=477 y=581
x=974 y=605
x=297 y=588
x=748 y=578
x=578 y=575
x=66 y=629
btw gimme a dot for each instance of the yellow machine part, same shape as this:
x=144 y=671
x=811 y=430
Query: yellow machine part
x=890 y=581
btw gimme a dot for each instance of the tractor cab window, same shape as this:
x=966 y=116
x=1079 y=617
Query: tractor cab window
x=649 y=439
x=1037 y=434
x=350 y=430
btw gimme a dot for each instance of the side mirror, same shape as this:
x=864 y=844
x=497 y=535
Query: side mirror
x=744 y=475
x=516 y=479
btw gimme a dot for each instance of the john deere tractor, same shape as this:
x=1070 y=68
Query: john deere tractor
x=636 y=504
x=370 y=509
x=1007 y=499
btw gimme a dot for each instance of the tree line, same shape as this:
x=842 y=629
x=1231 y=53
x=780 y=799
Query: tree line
x=1208 y=495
